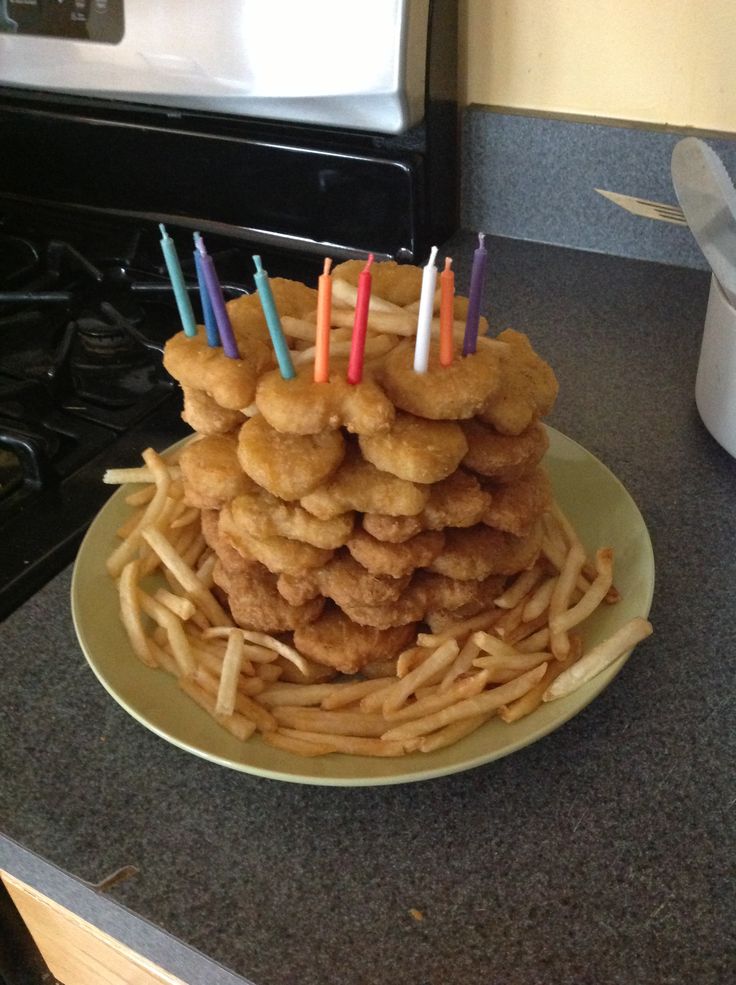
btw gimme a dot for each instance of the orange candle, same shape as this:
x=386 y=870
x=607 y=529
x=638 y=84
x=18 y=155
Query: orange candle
x=447 y=297
x=324 y=314
x=360 y=324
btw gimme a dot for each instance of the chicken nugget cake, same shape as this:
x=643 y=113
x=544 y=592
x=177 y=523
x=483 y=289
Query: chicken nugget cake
x=346 y=509
x=363 y=477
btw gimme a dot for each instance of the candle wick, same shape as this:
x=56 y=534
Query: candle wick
x=448 y=263
x=199 y=243
x=368 y=262
x=162 y=227
x=328 y=266
x=432 y=255
x=481 y=240
x=257 y=261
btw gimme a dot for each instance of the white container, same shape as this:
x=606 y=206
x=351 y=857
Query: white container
x=715 y=384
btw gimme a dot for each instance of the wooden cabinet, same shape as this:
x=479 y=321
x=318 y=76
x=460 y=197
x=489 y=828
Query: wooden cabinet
x=76 y=952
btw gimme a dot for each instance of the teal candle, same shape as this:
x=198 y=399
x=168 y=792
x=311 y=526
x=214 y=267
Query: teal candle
x=286 y=367
x=176 y=277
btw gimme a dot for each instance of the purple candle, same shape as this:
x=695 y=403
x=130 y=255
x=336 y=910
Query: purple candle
x=214 y=291
x=477 y=279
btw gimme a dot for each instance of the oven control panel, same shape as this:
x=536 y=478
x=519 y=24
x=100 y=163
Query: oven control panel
x=78 y=20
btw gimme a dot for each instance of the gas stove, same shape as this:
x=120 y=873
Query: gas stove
x=87 y=175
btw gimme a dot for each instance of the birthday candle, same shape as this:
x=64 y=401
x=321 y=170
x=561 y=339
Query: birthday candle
x=324 y=313
x=224 y=328
x=424 y=318
x=447 y=297
x=177 y=282
x=477 y=278
x=360 y=324
x=210 y=324
x=286 y=367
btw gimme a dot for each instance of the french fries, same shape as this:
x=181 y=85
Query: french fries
x=504 y=663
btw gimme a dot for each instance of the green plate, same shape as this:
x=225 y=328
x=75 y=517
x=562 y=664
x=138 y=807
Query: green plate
x=604 y=515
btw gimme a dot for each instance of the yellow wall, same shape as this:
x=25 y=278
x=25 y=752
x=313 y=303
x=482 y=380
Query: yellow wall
x=655 y=61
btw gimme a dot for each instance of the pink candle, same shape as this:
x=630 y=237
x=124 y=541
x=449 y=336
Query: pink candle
x=360 y=324
x=477 y=279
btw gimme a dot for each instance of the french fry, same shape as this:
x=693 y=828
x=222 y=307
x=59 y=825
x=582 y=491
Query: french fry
x=481 y=704
x=563 y=621
x=186 y=577
x=465 y=688
x=452 y=733
x=601 y=656
x=330 y=722
x=296 y=695
x=174 y=630
x=270 y=642
x=500 y=670
x=130 y=613
x=460 y=630
x=354 y=745
x=229 y=675
x=405 y=686
x=560 y=599
x=242 y=728
x=530 y=701
x=141 y=473
x=347 y=694
x=345 y=293
x=461 y=664
x=520 y=588
x=126 y=551
x=179 y=605
x=300 y=747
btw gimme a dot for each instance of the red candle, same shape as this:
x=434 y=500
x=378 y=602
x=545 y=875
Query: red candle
x=447 y=298
x=360 y=324
x=475 y=297
x=324 y=313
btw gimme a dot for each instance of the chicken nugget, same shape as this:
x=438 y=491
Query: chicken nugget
x=442 y=593
x=454 y=392
x=476 y=552
x=336 y=641
x=528 y=387
x=406 y=610
x=211 y=472
x=416 y=449
x=262 y=515
x=457 y=501
x=504 y=457
x=358 y=485
x=391 y=529
x=278 y=554
x=396 y=560
x=231 y=383
x=204 y=415
x=255 y=603
x=301 y=406
x=230 y=558
x=345 y=582
x=289 y=465
x=515 y=506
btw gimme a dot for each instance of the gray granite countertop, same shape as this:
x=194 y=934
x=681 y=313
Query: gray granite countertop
x=604 y=853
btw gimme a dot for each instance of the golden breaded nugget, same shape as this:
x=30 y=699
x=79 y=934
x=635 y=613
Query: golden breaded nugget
x=292 y=298
x=255 y=603
x=204 y=415
x=230 y=558
x=345 y=581
x=334 y=640
x=528 y=387
x=358 y=485
x=262 y=515
x=301 y=406
x=396 y=560
x=477 y=552
x=211 y=472
x=443 y=393
x=278 y=554
x=230 y=382
x=416 y=449
x=504 y=457
x=516 y=506
x=457 y=501
x=289 y=465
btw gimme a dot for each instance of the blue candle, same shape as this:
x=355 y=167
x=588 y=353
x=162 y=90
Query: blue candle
x=210 y=323
x=177 y=282
x=286 y=367
x=477 y=278
x=224 y=328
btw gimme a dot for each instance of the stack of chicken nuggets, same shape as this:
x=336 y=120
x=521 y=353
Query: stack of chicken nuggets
x=353 y=516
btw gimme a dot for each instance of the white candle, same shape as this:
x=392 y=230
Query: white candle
x=424 y=318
